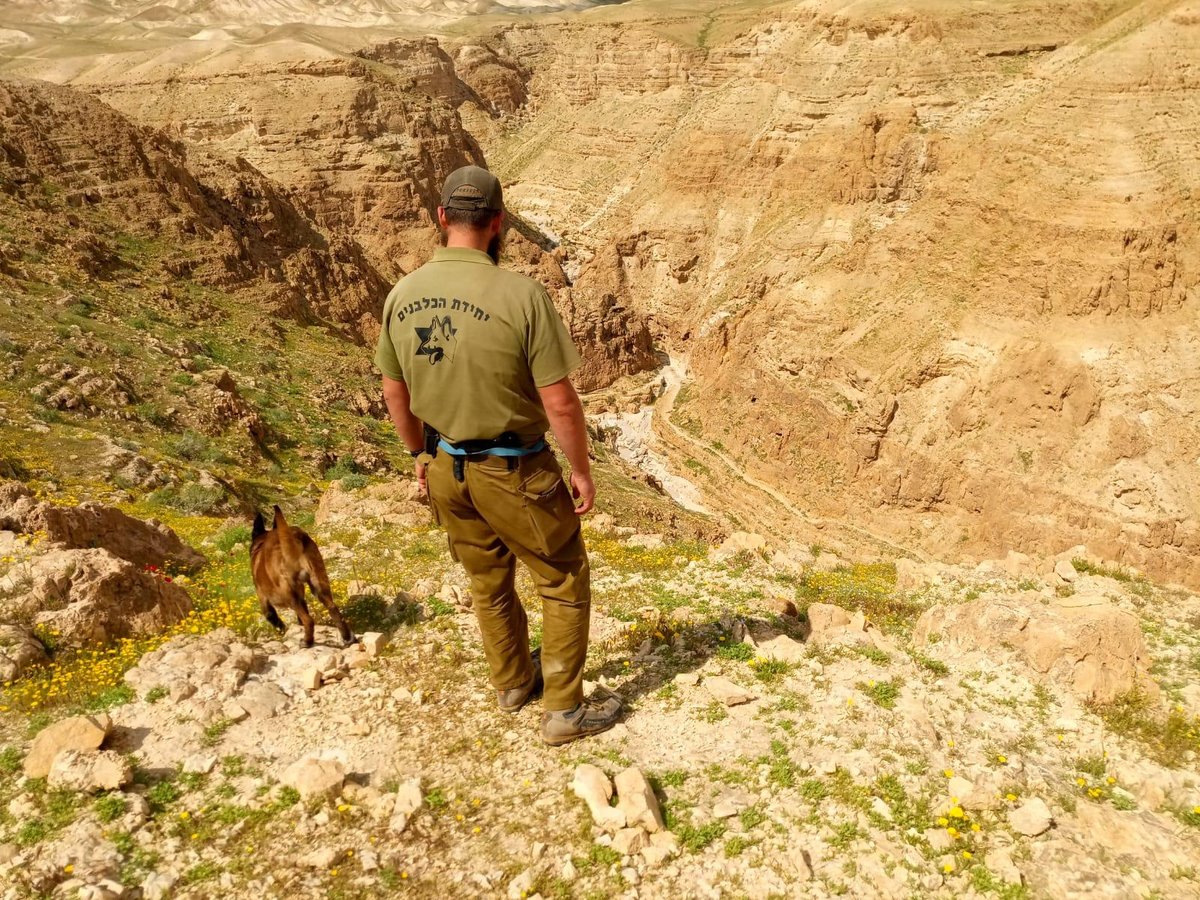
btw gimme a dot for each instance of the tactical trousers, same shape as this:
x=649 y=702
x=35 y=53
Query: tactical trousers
x=495 y=517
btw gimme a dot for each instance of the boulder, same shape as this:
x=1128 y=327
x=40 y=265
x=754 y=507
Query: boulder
x=75 y=733
x=592 y=786
x=209 y=666
x=20 y=651
x=782 y=648
x=831 y=624
x=1031 y=818
x=1084 y=642
x=408 y=800
x=1064 y=570
x=89 y=771
x=393 y=502
x=315 y=777
x=94 y=525
x=740 y=542
x=635 y=798
x=724 y=690
x=95 y=597
x=374 y=643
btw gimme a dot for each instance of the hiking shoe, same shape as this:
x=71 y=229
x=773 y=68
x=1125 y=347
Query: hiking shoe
x=512 y=700
x=592 y=716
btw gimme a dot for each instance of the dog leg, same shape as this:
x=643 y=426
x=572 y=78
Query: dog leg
x=272 y=617
x=318 y=581
x=306 y=620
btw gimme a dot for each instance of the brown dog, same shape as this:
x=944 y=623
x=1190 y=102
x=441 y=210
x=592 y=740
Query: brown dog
x=284 y=560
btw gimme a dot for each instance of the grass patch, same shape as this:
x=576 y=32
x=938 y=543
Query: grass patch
x=109 y=807
x=929 y=664
x=882 y=693
x=1166 y=737
x=740 y=651
x=1117 y=573
x=695 y=839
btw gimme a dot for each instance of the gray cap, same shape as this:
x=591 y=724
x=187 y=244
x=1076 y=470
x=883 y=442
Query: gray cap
x=472 y=188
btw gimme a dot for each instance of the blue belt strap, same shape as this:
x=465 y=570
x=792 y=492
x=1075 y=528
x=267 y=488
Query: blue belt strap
x=494 y=451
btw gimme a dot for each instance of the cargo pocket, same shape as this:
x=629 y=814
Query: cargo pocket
x=549 y=509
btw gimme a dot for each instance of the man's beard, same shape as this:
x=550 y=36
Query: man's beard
x=495 y=245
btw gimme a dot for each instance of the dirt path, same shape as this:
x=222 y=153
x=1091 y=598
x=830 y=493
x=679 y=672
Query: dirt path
x=675 y=375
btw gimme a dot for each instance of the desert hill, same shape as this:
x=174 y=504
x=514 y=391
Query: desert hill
x=888 y=317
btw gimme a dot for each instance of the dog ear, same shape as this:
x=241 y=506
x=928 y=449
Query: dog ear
x=280 y=521
x=260 y=527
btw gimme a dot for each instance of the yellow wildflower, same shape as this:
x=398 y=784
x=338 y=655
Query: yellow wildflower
x=949 y=773
x=957 y=813
x=966 y=854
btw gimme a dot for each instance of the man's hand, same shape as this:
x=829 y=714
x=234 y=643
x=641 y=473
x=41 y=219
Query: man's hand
x=583 y=489
x=421 y=482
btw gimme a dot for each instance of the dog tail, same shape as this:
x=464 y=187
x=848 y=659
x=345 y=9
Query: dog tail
x=260 y=527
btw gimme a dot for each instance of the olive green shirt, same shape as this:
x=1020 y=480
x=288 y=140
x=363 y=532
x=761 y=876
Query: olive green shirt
x=473 y=342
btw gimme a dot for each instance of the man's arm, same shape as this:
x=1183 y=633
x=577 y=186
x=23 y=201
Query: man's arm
x=408 y=426
x=565 y=412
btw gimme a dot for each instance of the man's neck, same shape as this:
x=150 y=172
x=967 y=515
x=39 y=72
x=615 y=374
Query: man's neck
x=465 y=239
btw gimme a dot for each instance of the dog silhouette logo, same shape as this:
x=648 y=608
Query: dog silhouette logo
x=438 y=341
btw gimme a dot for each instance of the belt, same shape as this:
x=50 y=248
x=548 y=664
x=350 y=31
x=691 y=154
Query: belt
x=507 y=446
x=497 y=450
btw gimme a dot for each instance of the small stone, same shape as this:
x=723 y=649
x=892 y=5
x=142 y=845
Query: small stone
x=801 y=865
x=688 y=679
x=75 y=733
x=729 y=806
x=782 y=648
x=1001 y=863
x=158 y=885
x=629 y=841
x=724 y=690
x=537 y=851
x=938 y=839
x=569 y=872
x=199 y=764
x=959 y=787
x=520 y=886
x=1064 y=570
x=374 y=643
x=324 y=858
x=316 y=778
x=630 y=875
x=592 y=786
x=8 y=852
x=233 y=711
x=881 y=809
x=310 y=679
x=368 y=860
x=1031 y=818
x=89 y=771
x=635 y=798
x=408 y=800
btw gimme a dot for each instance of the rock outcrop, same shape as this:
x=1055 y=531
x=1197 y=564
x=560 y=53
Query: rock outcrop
x=94 y=525
x=94 y=597
x=20 y=651
x=1085 y=642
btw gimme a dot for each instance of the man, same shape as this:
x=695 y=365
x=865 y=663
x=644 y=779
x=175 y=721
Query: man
x=476 y=365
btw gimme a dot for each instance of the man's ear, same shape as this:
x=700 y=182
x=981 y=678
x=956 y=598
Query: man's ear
x=498 y=223
x=441 y=217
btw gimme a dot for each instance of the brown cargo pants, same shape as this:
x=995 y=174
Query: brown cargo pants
x=496 y=517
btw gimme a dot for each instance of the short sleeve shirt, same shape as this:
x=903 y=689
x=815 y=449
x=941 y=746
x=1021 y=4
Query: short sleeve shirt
x=473 y=342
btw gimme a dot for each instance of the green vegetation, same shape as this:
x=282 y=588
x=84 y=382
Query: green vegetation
x=1166 y=737
x=109 y=807
x=882 y=693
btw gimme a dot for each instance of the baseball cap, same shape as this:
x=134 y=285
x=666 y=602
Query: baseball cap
x=472 y=188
